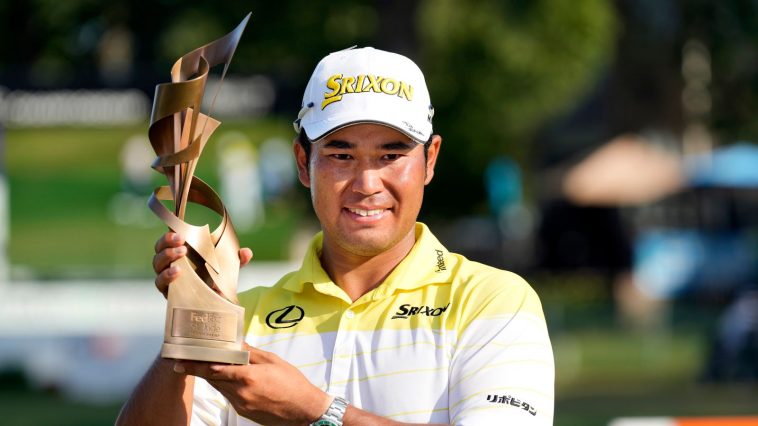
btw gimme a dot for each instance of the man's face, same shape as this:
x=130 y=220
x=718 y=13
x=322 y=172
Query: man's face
x=367 y=184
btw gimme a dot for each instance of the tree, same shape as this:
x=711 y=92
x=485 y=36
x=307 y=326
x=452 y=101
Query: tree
x=498 y=69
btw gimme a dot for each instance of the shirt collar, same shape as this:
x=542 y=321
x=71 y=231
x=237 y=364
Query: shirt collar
x=428 y=262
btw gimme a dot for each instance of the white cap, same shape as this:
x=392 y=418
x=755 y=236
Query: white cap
x=366 y=85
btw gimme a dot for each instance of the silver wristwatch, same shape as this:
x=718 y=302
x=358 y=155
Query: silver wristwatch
x=334 y=414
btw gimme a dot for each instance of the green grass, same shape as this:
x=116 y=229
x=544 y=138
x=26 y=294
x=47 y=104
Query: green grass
x=606 y=369
x=595 y=360
x=597 y=409
x=604 y=372
x=62 y=185
x=24 y=407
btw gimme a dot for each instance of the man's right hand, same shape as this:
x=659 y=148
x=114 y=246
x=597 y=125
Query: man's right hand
x=168 y=249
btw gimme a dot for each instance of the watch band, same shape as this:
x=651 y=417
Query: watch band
x=334 y=414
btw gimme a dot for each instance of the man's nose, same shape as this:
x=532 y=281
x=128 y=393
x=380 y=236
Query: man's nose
x=368 y=181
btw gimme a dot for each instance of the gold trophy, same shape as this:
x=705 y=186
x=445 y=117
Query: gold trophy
x=203 y=320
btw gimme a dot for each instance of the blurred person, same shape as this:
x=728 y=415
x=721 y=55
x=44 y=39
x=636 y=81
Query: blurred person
x=278 y=173
x=136 y=176
x=240 y=180
x=127 y=207
x=381 y=325
x=734 y=349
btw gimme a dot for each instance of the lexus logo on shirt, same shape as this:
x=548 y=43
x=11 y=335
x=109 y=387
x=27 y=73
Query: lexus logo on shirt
x=286 y=317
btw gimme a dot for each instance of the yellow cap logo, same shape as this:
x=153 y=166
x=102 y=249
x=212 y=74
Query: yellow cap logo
x=340 y=86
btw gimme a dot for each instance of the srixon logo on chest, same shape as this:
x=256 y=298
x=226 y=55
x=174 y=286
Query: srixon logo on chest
x=408 y=310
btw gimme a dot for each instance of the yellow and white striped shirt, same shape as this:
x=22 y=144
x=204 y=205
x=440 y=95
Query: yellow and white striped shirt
x=441 y=340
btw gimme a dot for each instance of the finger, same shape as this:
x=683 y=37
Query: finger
x=246 y=255
x=169 y=239
x=258 y=356
x=165 y=257
x=208 y=370
x=165 y=278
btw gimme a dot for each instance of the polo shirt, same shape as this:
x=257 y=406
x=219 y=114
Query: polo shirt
x=442 y=340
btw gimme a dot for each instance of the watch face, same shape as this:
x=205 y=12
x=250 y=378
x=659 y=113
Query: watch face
x=324 y=423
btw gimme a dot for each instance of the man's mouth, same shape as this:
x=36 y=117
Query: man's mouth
x=366 y=213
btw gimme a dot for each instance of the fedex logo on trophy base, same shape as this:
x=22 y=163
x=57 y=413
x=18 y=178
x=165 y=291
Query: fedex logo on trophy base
x=197 y=317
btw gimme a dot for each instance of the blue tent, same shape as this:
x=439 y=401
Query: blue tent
x=733 y=166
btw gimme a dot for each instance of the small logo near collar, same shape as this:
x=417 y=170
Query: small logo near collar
x=286 y=317
x=440 y=261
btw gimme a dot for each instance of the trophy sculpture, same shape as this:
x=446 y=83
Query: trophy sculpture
x=203 y=320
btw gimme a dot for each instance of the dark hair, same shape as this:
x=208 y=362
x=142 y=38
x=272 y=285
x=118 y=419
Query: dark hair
x=303 y=140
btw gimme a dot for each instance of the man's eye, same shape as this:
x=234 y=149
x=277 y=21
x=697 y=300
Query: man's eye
x=391 y=157
x=341 y=156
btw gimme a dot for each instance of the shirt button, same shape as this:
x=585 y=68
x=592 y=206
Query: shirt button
x=349 y=314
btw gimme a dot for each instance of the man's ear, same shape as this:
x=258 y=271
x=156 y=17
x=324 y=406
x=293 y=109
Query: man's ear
x=301 y=159
x=431 y=157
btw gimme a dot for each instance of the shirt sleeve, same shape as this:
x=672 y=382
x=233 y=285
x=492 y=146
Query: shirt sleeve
x=209 y=407
x=502 y=369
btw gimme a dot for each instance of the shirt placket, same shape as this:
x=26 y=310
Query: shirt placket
x=342 y=353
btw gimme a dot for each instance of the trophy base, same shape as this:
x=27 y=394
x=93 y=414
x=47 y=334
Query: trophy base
x=200 y=324
x=201 y=353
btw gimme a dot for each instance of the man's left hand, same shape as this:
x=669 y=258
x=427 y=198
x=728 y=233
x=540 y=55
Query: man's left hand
x=268 y=390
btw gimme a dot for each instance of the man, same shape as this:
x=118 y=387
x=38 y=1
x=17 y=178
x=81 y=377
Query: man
x=381 y=325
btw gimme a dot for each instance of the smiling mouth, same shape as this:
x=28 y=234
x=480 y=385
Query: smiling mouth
x=366 y=213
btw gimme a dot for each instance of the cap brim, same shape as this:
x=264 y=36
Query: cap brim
x=352 y=123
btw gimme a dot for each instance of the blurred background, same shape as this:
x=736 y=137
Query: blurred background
x=602 y=149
